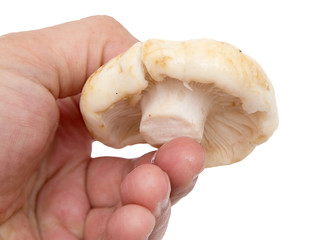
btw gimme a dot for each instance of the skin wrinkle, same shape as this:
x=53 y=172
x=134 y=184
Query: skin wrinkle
x=34 y=216
x=53 y=67
x=35 y=61
x=113 y=204
x=88 y=69
x=67 y=171
x=24 y=184
x=85 y=182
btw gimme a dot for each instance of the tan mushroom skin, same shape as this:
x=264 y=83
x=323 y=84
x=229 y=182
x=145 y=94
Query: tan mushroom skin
x=159 y=90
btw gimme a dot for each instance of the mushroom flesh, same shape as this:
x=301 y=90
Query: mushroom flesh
x=204 y=89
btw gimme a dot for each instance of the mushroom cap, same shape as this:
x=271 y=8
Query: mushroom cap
x=243 y=115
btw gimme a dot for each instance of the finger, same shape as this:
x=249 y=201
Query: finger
x=62 y=57
x=104 y=176
x=148 y=186
x=96 y=223
x=130 y=222
x=183 y=160
x=147 y=158
x=112 y=182
x=62 y=205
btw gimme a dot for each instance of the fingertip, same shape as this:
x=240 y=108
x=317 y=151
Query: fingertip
x=183 y=159
x=148 y=186
x=130 y=222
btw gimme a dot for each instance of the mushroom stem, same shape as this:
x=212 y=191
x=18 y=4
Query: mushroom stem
x=172 y=109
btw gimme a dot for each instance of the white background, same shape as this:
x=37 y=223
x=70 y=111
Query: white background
x=277 y=192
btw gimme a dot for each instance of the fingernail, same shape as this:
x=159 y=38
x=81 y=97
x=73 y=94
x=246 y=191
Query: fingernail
x=163 y=204
x=153 y=158
x=148 y=235
x=195 y=178
x=161 y=207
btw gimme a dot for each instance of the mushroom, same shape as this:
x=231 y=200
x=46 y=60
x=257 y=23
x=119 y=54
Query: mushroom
x=204 y=89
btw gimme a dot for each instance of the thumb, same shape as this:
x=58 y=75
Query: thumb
x=62 y=57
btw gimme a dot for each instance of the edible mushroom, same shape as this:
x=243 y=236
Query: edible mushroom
x=204 y=89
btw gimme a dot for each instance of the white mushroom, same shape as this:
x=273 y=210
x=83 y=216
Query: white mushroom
x=159 y=90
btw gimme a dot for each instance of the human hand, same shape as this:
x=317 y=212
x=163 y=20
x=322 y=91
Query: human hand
x=50 y=187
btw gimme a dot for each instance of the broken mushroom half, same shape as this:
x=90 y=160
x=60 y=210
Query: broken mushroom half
x=204 y=89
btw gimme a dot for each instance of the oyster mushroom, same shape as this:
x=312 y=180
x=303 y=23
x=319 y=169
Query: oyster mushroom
x=204 y=89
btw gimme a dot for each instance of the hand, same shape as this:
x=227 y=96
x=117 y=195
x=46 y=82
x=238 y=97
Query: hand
x=50 y=187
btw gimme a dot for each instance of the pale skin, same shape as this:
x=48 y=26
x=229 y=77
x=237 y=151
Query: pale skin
x=50 y=187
